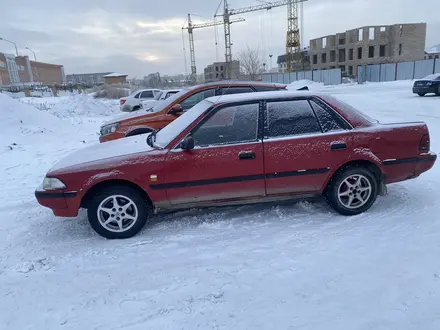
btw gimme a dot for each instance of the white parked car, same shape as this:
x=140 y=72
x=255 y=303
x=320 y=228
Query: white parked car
x=149 y=104
x=133 y=101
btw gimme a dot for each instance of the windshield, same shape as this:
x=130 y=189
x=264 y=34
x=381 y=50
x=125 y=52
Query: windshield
x=172 y=130
x=432 y=77
x=159 y=106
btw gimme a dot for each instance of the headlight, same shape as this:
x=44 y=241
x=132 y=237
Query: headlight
x=108 y=129
x=53 y=184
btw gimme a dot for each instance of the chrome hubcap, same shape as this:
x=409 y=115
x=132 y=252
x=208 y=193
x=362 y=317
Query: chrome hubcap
x=117 y=213
x=354 y=191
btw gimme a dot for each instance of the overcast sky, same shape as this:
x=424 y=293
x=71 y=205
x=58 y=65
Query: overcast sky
x=137 y=37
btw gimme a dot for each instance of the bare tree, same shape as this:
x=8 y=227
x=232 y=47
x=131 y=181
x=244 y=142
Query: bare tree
x=250 y=62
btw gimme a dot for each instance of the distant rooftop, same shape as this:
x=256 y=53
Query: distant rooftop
x=433 y=50
x=115 y=74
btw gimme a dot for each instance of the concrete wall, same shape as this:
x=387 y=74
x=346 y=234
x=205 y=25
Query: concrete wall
x=399 y=42
x=398 y=71
x=328 y=77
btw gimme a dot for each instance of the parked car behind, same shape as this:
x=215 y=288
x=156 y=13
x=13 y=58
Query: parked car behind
x=239 y=149
x=429 y=84
x=165 y=112
x=149 y=104
x=133 y=101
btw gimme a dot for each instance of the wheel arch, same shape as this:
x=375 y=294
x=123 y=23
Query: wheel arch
x=370 y=165
x=138 y=131
x=108 y=183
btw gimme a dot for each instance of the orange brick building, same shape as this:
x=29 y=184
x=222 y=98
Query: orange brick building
x=20 y=70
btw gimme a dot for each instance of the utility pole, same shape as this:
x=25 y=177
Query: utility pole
x=35 y=58
x=11 y=42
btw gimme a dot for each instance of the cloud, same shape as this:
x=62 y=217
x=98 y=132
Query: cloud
x=137 y=37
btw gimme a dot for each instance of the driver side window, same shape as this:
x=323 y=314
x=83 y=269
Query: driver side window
x=192 y=100
x=230 y=125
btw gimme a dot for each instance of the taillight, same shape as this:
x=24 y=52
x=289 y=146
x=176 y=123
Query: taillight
x=424 y=144
x=123 y=101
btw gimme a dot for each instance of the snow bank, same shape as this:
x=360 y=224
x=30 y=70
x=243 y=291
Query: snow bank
x=84 y=105
x=18 y=119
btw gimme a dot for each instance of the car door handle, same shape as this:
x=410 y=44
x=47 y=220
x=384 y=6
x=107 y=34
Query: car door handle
x=338 y=146
x=246 y=155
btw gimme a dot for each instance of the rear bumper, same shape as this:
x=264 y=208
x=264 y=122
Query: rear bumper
x=408 y=168
x=426 y=90
x=62 y=204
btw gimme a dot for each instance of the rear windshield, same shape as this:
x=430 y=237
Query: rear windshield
x=432 y=77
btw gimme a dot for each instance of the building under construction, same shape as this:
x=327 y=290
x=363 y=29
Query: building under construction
x=217 y=71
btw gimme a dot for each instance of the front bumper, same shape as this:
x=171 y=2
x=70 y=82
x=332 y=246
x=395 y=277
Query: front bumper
x=426 y=89
x=63 y=204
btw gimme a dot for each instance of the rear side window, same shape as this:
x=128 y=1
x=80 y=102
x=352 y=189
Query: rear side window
x=289 y=118
x=236 y=90
x=147 y=95
x=137 y=95
x=326 y=119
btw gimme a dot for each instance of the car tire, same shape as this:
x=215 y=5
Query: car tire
x=421 y=94
x=139 y=131
x=136 y=108
x=118 y=212
x=352 y=191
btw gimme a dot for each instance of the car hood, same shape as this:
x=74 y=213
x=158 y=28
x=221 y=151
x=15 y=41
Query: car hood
x=126 y=116
x=104 y=151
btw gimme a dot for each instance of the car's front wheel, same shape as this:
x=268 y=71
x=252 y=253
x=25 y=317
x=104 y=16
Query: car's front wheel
x=421 y=94
x=352 y=191
x=118 y=211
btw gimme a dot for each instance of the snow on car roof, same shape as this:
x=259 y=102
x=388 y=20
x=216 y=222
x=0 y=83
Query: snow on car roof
x=257 y=96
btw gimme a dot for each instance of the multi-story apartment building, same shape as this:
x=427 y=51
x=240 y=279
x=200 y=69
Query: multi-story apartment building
x=217 y=71
x=368 y=45
x=302 y=65
x=19 y=70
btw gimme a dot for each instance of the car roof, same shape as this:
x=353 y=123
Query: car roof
x=232 y=98
x=225 y=83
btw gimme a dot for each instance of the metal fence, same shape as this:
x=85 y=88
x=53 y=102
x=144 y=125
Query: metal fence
x=328 y=77
x=398 y=71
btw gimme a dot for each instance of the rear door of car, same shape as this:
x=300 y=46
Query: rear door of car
x=303 y=142
x=227 y=161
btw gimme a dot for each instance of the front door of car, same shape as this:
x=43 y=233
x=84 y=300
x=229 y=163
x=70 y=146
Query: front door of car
x=226 y=162
x=303 y=143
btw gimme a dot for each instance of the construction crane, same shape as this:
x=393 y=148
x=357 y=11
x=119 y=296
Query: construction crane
x=190 y=27
x=292 y=43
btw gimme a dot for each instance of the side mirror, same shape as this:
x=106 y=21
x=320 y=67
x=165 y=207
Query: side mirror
x=175 y=109
x=187 y=143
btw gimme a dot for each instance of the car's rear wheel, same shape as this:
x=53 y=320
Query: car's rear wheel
x=136 y=108
x=421 y=94
x=352 y=191
x=118 y=211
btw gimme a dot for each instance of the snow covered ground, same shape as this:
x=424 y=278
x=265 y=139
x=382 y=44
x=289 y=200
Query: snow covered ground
x=288 y=266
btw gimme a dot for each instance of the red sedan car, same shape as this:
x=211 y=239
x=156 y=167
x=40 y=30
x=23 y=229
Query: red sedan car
x=239 y=149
